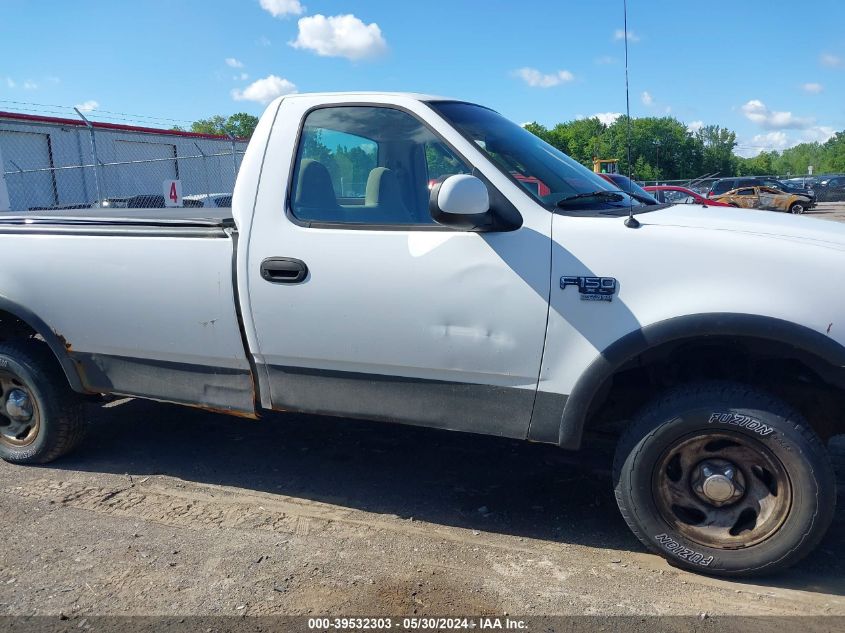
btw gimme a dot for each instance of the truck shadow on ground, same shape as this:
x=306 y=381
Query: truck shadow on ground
x=462 y=480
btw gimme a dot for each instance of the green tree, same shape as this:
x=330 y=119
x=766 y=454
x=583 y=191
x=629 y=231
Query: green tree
x=239 y=125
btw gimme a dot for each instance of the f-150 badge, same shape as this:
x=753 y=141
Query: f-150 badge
x=591 y=288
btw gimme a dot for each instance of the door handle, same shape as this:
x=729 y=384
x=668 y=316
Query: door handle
x=284 y=270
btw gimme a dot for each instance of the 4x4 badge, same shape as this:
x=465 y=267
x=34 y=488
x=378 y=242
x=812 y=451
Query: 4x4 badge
x=591 y=288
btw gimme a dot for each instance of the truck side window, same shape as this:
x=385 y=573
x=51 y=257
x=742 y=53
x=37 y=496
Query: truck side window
x=441 y=162
x=367 y=165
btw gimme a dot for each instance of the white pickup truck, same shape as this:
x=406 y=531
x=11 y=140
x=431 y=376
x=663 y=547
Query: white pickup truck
x=420 y=260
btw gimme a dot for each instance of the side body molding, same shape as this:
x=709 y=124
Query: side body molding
x=689 y=327
x=53 y=339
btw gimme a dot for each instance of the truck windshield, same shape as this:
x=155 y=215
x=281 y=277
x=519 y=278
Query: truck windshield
x=545 y=172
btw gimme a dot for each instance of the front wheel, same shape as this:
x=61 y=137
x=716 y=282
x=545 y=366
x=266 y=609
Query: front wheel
x=797 y=209
x=724 y=479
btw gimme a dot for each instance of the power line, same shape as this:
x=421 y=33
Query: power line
x=120 y=116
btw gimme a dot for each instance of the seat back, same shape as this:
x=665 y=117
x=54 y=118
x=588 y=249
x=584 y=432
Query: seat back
x=315 y=198
x=383 y=199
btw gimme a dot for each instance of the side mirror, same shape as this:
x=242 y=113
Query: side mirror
x=461 y=201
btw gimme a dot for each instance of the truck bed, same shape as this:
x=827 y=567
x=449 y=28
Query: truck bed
x=160 y=284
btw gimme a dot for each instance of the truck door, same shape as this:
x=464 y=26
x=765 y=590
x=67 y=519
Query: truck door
x=365 y=307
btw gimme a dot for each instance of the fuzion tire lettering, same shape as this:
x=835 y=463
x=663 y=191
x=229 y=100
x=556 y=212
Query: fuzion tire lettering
x=672 y=546
x=743 y=421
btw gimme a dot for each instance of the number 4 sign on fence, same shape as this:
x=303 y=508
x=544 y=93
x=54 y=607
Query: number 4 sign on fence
x=173 y=193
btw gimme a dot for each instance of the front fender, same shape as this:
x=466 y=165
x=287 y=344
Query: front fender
x=689 y=327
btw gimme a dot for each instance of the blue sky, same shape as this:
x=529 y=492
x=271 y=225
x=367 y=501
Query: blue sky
x=773 y=72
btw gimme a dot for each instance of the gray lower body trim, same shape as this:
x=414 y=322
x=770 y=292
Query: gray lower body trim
x=486 y=409
x=224 y=390
x=546 y=417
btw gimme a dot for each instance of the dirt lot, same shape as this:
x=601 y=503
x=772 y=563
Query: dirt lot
x=166 y=510
x=174 y=511
x=829 y=211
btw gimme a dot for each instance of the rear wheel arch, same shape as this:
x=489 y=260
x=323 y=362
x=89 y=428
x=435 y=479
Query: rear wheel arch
x=823 y=355
x=17 y=321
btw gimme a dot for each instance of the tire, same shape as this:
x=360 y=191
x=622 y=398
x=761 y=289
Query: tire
x=55 y=424
x=797 y=209
x=776 y=508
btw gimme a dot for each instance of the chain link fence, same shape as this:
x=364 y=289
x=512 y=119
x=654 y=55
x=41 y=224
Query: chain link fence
x=59 y=164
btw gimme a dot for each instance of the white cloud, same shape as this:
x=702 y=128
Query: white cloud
x=646 y=98
x=264 y=41
x=771 y=140
x=695 y=126
x=831 y=61
x=87 y=106
x=282 y=8
x=264 y=90
x=604 y=60
x=817 y=134
x=608 y=118
x=231 y=62
x=30 y=85
x=619 y=35
x=11 y=82
x=241 y=77
x=340 y=36
x=812 y=88
x=779 y=140
x=757 y=112
x=537 y=79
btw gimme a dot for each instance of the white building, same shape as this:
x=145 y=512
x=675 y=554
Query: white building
x=48 y=162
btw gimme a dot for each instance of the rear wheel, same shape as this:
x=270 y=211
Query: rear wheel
x=41 y=418
x=797 y=208
x=724 y=479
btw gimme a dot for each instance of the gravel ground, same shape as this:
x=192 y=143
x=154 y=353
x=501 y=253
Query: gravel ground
x=829 y=211
x=173 y=511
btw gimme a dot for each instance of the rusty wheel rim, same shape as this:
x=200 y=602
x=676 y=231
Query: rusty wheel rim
x=20 y=419
x=722 y=490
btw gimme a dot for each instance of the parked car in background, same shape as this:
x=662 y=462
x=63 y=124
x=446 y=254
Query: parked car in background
x=670 y=194
x=724 y=185
x=629 y=186
x=832 y=188
x=213 y=200
x=804 y=182
x=143 y=201
x=788 y=188
x=110 y=203
x=533 y=183
x=766 y=198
